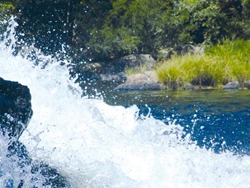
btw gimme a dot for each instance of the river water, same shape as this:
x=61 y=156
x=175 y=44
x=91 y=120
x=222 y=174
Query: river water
x=188 y=139
x=216 y=119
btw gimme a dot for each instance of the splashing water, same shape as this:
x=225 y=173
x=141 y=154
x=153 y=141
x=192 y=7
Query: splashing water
x=97 y=145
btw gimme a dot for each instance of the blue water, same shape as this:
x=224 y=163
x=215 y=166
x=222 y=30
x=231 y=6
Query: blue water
x=216 y=119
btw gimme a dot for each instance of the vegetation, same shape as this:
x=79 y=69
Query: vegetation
x=141 y=69
x=5 y=12
x=221 y=63
x=94 y=30
x=99 y=30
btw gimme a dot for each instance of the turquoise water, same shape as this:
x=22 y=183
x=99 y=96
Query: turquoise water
x=217 y=119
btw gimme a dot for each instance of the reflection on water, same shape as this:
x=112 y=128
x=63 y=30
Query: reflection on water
x=218 y=119
x=218 y=98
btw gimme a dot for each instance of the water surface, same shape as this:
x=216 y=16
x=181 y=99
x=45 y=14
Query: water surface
x=217 y=119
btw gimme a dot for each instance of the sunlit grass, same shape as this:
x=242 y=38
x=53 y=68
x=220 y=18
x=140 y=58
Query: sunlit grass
x=217 y=66
x=135 y=70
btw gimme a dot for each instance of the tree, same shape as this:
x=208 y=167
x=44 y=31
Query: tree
x=50 y=23
x=45 y=23
x=209 y=21
x=101 y=30
x=89 y=16
x=139 y=26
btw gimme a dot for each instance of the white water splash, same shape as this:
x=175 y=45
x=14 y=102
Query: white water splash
x=96 y=145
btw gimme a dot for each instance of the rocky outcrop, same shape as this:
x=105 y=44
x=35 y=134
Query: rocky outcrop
x=247 y=84
x=188 y=86
x=143 y=85
x=15 y=108
x=142 y=81
x=15 y=113
x=102 y=76
x=232 y=85
x=135 y=61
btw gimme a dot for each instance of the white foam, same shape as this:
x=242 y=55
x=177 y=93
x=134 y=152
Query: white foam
x=97 y=145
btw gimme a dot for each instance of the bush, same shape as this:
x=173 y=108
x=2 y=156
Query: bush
x=228 y=61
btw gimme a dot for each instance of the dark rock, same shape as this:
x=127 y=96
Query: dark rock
x=100 y=77
x=89 y=67
x=247 y=84
x=143 y=85
x=135 y=61
x=203 y=80
x=181 y=50
x=52 y=177
x=188 y=86
x=232 y=85
x=15 y=108
x=15 y=113
x=86 y=71
x=40 y=173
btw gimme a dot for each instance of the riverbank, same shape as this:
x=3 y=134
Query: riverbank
x=221 y=66
x=224 y=65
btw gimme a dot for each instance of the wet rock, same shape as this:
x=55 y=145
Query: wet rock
x=99 y=77
x=86 y=71
x=135 y=61
x=232 y=85
x=33 y=172
x=188 y=86
x=15 y=113
x=142 y=81
x=247 y=84
x=15 y=108
x=143 y=85
x=52 y=177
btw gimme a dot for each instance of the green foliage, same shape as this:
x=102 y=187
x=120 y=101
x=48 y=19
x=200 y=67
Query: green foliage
x=171 y=74
x=53 y=23
x=234 y=57
x=144 y=26
x=208 y=21
x=88 y=18
x=109 y=41
x=135 y=70
x=228 y=61
x=6 y=9
x=99 y=30
x=43 y=23
x=133 y=26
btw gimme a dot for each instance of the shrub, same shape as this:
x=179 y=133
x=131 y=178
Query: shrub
x=224 y=62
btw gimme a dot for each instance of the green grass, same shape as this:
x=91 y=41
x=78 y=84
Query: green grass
x=229 y=61
x=135 y=70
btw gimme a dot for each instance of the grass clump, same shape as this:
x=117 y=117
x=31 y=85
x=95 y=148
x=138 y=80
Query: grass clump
x=228 y=61
x=135 y=70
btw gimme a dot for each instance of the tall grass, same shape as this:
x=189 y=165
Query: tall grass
x=228 y=61
x=135 y=70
